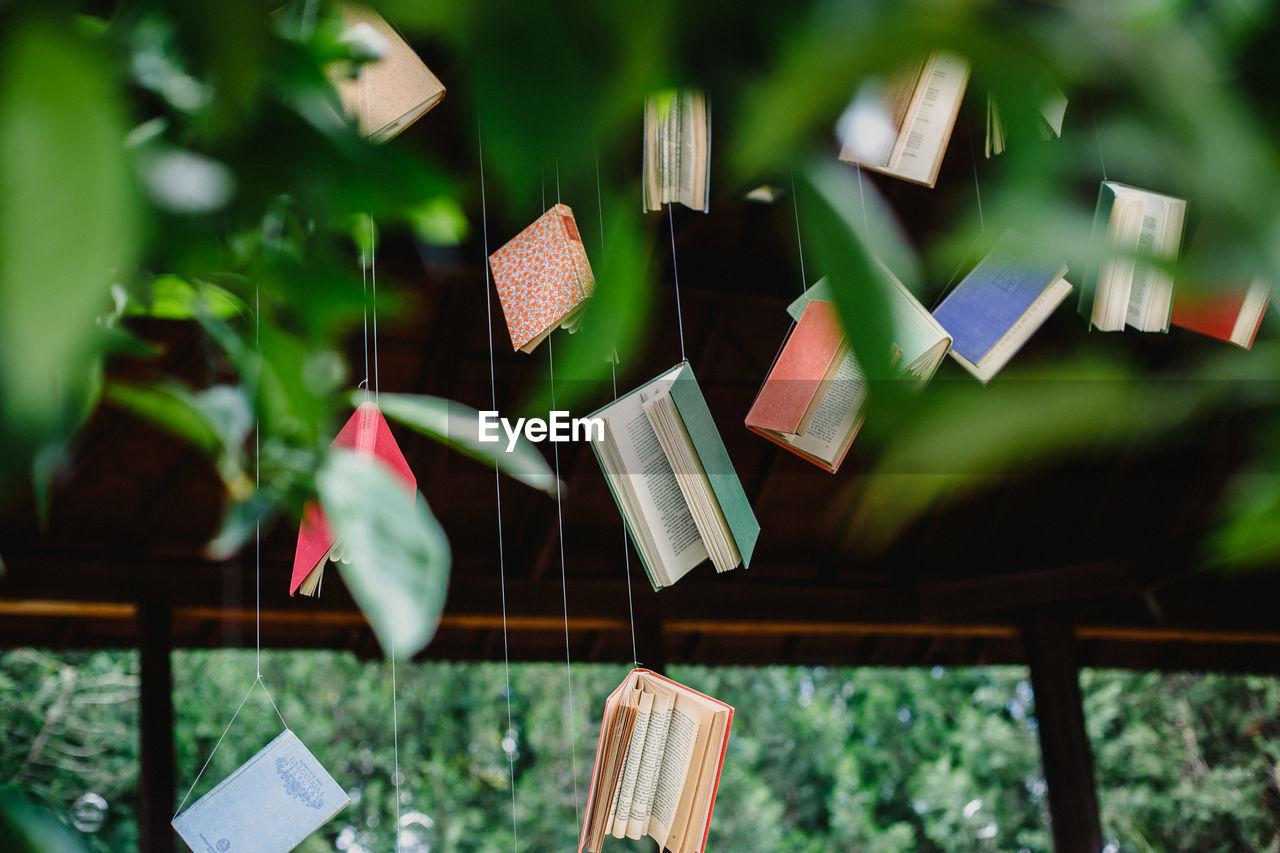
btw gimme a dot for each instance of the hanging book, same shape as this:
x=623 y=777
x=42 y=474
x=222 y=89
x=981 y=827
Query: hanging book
x=366 y=431
x=387 y=94
x=270 y=804
x=999 y=305
x=543 y=278
x=1229 y=310
x=900 y=124
x=677 y=149
x=812 y=400
x=658 y=762
x=671 y=476
x=920 y=342
x=1049 y=117
x=1126 y=290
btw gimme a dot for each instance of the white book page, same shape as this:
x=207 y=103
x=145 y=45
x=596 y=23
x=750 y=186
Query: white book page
x=655 y=743
x=1116 y=274
x=687 y=725
x=1143 y=284
x=919 y=150
x=621 y=807
x=837 y=416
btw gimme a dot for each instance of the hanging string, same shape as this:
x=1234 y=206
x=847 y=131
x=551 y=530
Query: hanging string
x=967 y=258
x=372 y=266
x=866 y=222
x=497 y=487
x=1097 y=135
x=675 y=273
x=977 y=189
x=795 y=209
x=564 y=583
x=613 y=375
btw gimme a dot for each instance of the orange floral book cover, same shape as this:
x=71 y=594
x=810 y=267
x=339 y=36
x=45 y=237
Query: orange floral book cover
x=542 y=276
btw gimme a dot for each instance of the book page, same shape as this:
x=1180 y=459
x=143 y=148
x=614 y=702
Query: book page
x=688 y=729
x=655 y=743
x=837 y=415
x=692 y=828
x=1112 y=292
x=919 y=149
x=1142 y=286
x=621 y=807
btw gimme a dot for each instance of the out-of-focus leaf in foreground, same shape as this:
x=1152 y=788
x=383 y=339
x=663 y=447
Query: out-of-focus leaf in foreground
x=457 y=426
x=66 y=223
x=28 y=828
x=399 y=555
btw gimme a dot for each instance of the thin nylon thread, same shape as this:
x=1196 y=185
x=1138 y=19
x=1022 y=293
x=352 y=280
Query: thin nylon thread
x=564 y=583
x=373 y=276
x=613 y=375
x=497 y=486
x=866 y=221
x=977 y=189
x=675 y=273
x=1097 y=135
x=795 y=209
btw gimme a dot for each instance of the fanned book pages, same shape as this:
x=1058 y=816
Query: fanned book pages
x=671 y=476
x=366 y=431
x=677 y=149
x=1000 y=304
x=1125 y=289
x=812 y=401
x=662 y=747
x=900 y=124
x=389 y=93
x=543 y=278
x=270 y=804
x=919 y=340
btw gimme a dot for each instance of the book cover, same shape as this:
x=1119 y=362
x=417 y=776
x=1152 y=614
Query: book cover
x=1230 y=313
x=719 y=469
x=366 y=431
x=991 y=299
x=391 y=92
x=541 y=275
x=270 y=804
x=797 y=376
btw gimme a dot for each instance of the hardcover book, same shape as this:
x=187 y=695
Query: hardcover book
x=677 y=150
x=811 y=402
x=1124 y=289
x=366 y=431
x=387 y=94
x=658 y=762
x=900 y=125
x=270 y=804
x=543 y=278
x=1231 y=313
x=1000 y=304
x=672 y=478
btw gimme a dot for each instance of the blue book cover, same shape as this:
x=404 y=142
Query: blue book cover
x=270 y=804
x=993 y=296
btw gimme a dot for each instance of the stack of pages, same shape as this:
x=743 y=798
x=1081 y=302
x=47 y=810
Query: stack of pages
x=677 y=150
x=658 y=762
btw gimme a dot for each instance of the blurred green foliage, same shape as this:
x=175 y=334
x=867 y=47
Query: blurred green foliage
x=820 y=759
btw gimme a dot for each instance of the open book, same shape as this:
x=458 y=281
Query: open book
x=900 y=124
x=658 y=762
x=1128 y=290
x=677 y=149
x=391 y=92
x=676 y=488
x=1049 y=117
x=366 y=431
x=812 y=400
x=271 y=803
x=1000 y=304
x=543 y=278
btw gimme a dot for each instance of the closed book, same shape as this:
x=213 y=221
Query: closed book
x=270 y=804
x=996 y=308
x=542 y=276
x=389 y=93
x=1228 y=313
x=366 y=431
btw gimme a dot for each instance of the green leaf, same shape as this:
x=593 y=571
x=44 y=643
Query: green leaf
x=28 y=828
x=459 y=427
x=398 y=572
x=174 y=298
x=168 y=409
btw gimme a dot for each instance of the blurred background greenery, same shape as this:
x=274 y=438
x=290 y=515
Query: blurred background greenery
x=820 y=759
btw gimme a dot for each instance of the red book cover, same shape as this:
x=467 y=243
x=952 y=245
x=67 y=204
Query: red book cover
x=1221 y=313
x=366 y=431
x=797 y=376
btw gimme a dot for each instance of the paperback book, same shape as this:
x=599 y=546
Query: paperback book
x=900 y=124
x=658 y=761
x=366 y=431
x=677 y=150
x=543 y=278
x=1000 y=304
x=672 y=478
x=1128 y=290
x=387 y=94
x=270 y=804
